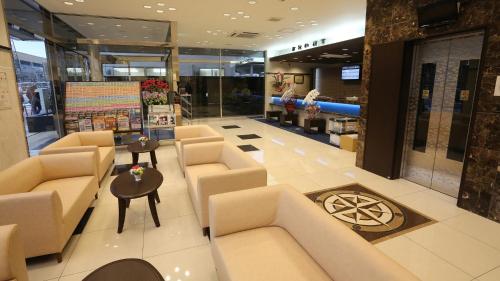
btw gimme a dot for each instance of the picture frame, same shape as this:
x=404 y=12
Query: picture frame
x=298 y=79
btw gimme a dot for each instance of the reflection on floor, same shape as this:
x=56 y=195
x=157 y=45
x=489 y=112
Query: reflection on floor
x=459 y=246
x=371 y=215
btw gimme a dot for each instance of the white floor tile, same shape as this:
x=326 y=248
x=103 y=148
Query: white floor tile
x=105 y=216
x=462 y=251
x=493 y=275
x=431 y=203
x=482 y=229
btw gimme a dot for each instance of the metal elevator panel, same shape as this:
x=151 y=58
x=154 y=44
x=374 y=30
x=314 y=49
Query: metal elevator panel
x=442 y=89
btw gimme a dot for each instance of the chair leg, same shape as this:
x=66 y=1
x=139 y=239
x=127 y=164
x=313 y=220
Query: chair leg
x=58 y=257
x=206 y=232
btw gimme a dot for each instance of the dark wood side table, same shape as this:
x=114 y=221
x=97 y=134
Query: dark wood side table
x=285 y=118
x=272 y=114
x=125 y=270
x=136 y=148
x=124 y=187
x=316 y=122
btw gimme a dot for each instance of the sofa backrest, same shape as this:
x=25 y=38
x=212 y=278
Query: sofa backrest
x=67 y=141
x=234 y=158
x=207 y=131
x=21 y=177
x=98 y=138
x=343 y=254
x=52 y=165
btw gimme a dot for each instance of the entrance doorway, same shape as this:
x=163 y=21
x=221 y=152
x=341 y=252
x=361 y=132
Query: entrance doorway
x=443 y=84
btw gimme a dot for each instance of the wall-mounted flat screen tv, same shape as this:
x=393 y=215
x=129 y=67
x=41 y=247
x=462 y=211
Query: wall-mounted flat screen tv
x=351 y=72
x=438 y=13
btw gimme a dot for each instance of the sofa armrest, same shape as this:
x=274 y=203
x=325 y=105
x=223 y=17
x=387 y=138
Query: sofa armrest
x=243 y=210
x=98 y=138
x=201 y=153
x=200 y=140
x=71 y=149
x=12 y=259
x=185 y=132
x=39 y=217
x=69 y=165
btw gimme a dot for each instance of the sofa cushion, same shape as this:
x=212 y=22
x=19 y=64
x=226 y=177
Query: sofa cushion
x=268 y=253
x=106 y=157
x=73 y=193
x=192 y=174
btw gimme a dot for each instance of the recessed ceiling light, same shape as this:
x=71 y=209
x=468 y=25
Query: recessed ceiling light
x=355 y=53
x=172 y=9
x=233 y=18
x=218 y=30
x=227 y=15
x=345 y=54
x=345 y=49
x=144 y=26
x=347 y=61
x=160 y=4
x=118 y=25
x=252 y=2
x=209 y=31
x=146 y=37
x=295 y=58
x=309 y=56
x=246 y=16
x=68 y=3
x=294 y=8
x=299 y=22
x=102 y=35
x=147 y=6
x=314 y=24
x=159 y=11
x=90 y=23
x=80 y=1
x=214 y=34
x=302 y=25
x=125 y=36
x=240 y=13
x=312 y=21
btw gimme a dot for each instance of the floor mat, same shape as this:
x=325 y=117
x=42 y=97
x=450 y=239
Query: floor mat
x=248 y=147
x=370 y=214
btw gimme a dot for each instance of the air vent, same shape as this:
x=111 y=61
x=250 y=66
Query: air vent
x=244 y=34
x=275 y=19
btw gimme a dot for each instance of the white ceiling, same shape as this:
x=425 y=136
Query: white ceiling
x=203 y=24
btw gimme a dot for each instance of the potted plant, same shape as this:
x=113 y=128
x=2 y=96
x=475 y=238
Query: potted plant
x=143 y=140
x=137 y=172
x=154 y=93
x=312 y=108
x=288 y=99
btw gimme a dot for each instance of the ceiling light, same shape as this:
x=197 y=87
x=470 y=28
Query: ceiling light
x=295 y=58
x=146 y=37
x=227 y=15
x=102 y=35
x=294 y=8
x=299 y=22
x=345 y=49
x=218 y=30
x=118 y=25
x=345 y=54
x=354 y=53
x=246 y=16
x=90 y=23
x=80 y=1
x=302 y=25
x=313 y=21
x=147 y=6
x=159 y=11
x=240 y=13
x=252 y=2
x=68 y=3
x=209 y=31
x=172 y=9
x=214 y=33
x=160 y=4
x=314 y=24
x=125 y=36
x=233 y=18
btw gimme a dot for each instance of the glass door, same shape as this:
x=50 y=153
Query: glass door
x=440 y=106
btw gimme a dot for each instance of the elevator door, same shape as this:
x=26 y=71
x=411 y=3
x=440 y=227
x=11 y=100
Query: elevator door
x=439 y=111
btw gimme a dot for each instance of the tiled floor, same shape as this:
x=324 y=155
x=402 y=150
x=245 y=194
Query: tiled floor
x=460 y=246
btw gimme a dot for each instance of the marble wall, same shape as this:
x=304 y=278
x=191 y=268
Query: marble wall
x=396 y=20
x=13 y=146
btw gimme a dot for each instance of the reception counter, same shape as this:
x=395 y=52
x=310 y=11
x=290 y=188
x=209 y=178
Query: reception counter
x=348 y=109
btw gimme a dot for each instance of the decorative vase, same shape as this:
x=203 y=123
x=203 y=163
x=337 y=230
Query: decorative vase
x=137 y=177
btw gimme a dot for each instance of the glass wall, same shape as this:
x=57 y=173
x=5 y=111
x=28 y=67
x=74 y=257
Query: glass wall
x=222 y=82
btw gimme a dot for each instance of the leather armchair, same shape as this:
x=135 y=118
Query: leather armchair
x=12 y=261
x=193 y=134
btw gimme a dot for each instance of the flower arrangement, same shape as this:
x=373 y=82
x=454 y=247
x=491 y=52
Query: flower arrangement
x=279 y=83
x=288 y=99
x=143 y=140
x=137 y=171
x=154 y=92
x=312 y=108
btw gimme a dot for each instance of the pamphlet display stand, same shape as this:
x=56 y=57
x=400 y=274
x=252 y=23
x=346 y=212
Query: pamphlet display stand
x=161 y=117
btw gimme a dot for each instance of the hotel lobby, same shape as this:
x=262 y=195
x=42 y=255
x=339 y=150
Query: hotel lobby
x=249 y=140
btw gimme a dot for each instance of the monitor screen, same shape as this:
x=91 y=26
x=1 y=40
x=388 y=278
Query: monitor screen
x=351 y=72
x=439 y=13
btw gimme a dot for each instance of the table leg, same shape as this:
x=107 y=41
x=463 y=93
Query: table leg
x=152 y=154
x=127 y=202
x=157 y=197
x=135 y=158
x=121 y=214
x=152 y=208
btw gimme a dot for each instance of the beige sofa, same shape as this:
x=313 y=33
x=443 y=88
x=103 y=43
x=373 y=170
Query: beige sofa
x=218 y=167
x=276 y=233
x=100 y=142
x=12 y=262
x=46 y=196
x=193 y=134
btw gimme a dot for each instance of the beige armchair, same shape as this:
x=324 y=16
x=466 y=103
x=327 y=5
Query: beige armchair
x=12 y=261
x=46 y=196
x=100 y=142
x=218 y=167
x=193 y=134
x=285 y=236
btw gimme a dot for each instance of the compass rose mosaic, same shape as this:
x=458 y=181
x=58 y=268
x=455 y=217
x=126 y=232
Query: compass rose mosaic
x=368 y=213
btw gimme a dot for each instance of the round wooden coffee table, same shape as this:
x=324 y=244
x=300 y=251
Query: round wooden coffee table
x=125 y=188
x=136 y=148
x=125 y=270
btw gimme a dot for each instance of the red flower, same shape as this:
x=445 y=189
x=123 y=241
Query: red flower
x=136 y=167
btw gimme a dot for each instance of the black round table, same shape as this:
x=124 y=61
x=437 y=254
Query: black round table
x=136 y=148
x=125 y=270
x=125 y=188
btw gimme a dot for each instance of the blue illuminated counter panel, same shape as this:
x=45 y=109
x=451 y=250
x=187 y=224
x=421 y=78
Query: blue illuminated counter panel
x=327 y=107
